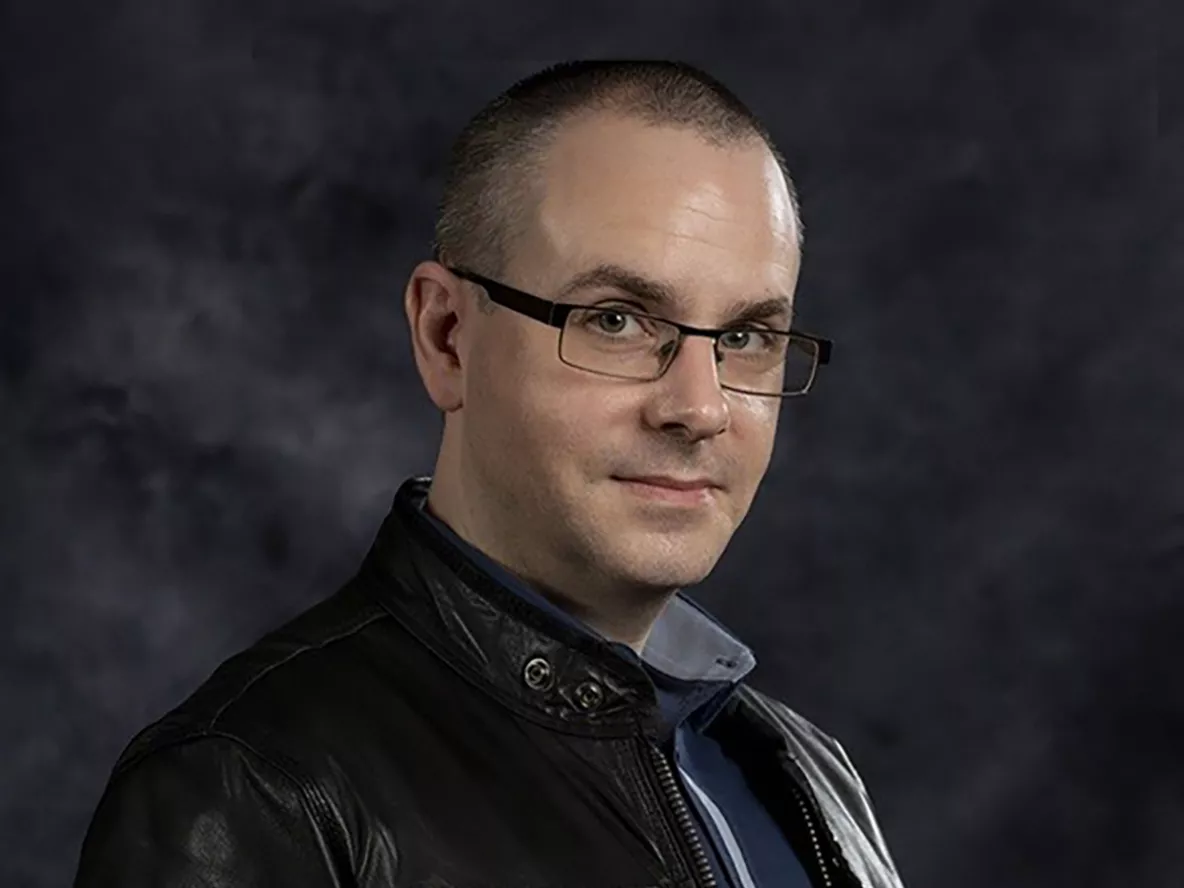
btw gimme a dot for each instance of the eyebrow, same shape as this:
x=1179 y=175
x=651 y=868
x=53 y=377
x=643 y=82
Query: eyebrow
x=660 y=295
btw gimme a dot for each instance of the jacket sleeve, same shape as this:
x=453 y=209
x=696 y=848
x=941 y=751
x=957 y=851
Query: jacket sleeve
x=868 y=815
x=204 y=812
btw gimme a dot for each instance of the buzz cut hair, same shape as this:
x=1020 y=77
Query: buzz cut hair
x=491 y=182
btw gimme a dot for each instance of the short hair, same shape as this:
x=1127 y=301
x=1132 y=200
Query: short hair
x=487 y=201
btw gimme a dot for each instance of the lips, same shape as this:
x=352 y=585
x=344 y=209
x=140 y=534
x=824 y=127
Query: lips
x=681 y=493
x=673 y=483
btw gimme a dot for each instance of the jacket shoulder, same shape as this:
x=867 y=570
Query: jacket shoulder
x=801 y=732
x=208 y=810
x=258 y=695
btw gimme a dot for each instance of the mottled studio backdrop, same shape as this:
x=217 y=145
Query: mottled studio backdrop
x=968 y=557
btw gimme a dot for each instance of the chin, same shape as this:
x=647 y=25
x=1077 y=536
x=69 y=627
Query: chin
x=667 y=565
x=672 y=580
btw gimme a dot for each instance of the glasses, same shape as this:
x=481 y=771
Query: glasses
x=623 y=343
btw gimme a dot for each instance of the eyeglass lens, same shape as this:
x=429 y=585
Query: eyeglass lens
x=615 y=342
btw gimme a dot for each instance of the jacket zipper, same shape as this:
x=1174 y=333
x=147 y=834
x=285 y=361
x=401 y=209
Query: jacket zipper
x=831 y=865
x=682 y=814
x=812 y=826
x=686 y=824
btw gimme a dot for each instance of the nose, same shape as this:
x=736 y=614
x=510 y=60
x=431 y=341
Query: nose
x=688 y=398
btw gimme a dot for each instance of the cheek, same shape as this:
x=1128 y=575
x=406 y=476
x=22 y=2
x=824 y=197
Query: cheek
x=522 y=402
x=756 y=415
x=754 y=422
x=568 y=421
x=757 y=412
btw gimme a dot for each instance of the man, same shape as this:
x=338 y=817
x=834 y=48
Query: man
x=512 y=691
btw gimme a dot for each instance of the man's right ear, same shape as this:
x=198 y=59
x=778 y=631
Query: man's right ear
x=434 y=303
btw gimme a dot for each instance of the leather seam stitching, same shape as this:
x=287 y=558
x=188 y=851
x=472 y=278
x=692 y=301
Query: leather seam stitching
x=271 y=667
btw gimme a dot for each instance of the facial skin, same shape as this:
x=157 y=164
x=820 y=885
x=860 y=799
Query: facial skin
x=531 y=446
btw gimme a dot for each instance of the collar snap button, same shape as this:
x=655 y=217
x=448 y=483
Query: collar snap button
x=589 y=695
x=538 y=674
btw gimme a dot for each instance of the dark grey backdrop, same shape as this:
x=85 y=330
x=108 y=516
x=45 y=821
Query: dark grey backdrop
x=966 y=561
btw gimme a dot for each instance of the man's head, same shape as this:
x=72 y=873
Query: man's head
x=653 y=168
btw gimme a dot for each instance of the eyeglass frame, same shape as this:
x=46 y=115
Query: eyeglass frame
x=555 y=314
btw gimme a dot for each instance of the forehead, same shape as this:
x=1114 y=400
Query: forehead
x=667 y=203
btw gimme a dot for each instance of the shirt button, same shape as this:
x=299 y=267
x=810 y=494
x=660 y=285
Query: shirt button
x=538 y=674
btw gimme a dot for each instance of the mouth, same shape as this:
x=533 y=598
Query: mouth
x=693 y=493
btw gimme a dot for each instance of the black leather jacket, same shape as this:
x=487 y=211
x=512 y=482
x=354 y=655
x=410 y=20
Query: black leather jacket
x=392 y=735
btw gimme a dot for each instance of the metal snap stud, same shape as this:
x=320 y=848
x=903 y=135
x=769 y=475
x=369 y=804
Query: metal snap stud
x=538 y=674
x=589 y=695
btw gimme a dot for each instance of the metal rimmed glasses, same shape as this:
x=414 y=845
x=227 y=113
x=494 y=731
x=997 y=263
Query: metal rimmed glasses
x=626 y=343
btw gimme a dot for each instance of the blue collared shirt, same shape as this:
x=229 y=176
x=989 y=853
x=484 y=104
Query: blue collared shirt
x=695 y=664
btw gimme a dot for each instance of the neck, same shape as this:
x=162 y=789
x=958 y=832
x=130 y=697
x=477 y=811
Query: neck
x=615 y=613
x=627 y=623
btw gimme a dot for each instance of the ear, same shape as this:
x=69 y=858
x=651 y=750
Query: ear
x=437 y=311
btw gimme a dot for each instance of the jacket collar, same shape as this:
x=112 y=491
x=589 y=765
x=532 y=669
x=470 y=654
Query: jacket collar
x=488 y=624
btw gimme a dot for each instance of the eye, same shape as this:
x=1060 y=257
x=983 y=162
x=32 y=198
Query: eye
x=610 y=321
x=729 y=340
x=753 y=340
x=613 y=320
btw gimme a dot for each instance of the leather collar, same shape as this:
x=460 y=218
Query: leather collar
x=539 y=665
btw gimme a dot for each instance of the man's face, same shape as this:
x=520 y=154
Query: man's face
x=542 y=444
